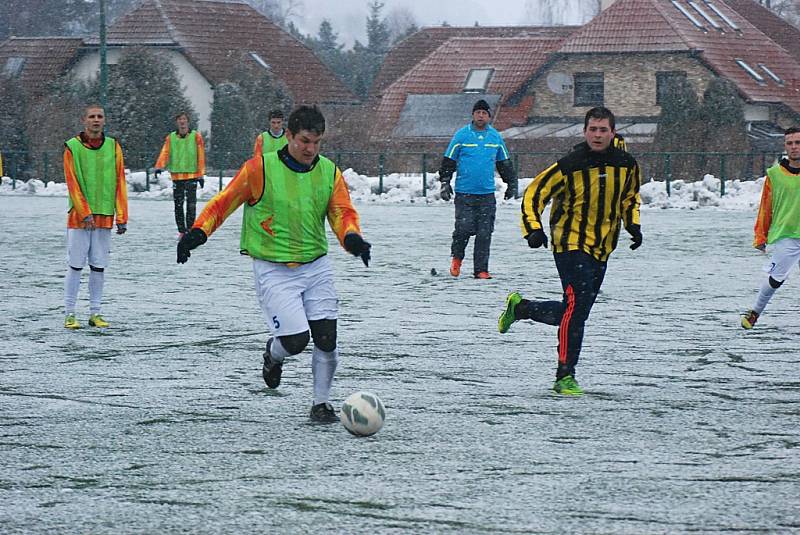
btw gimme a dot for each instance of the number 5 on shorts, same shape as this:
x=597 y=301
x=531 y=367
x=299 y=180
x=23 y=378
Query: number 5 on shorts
x=276 y=322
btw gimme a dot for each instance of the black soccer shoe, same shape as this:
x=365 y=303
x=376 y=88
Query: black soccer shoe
x=272 y=369
x=323 y=414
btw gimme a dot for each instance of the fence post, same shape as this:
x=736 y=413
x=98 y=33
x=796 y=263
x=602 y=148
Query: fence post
x=147 y=179
x=515 y=161
x=721 y=175
x=381 y=163
x=220 y=178
x=338 y=159
x=46 y=166
x=424 y=175
x=14 y=176
x=668 y=171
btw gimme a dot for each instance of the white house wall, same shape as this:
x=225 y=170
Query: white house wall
x=195 y=86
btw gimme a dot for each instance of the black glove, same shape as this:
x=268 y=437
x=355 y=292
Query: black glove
x=536 y=239
x=447 y=190
x=202 y=182
x=355 y=245
x=157 y=173
x=511 y=189
x=191 y=240
x=636 y=235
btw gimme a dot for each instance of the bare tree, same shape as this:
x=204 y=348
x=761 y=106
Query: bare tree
x=555 y=12
x=401 y=22
x=281 y=12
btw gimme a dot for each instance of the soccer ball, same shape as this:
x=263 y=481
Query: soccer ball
x=362 y=414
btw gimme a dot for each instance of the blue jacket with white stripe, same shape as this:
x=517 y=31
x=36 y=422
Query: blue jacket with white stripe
x=476 y=152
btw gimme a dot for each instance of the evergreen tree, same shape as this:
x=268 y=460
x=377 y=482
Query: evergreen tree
x=144 y=95
x=328 y=49
x=680 y=127
x=13 y=109
x=723 y=117
x=378 y=36
x=230 y=117
x=262 y=92
x=365 y=61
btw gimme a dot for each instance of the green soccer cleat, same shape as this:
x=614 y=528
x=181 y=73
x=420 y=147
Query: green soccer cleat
x=96 y=320
x=71 y=323
x=508 y=317
x=749 y=319
x=567 y=386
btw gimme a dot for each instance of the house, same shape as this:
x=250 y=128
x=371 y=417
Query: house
x=432 y=98
x=204 y=39
x=621 y=59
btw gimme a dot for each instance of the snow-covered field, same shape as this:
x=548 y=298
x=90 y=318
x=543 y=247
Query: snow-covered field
x=162 y=424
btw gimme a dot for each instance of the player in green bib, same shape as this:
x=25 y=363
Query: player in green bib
x=273 y=139
x=287 y=196
x=778 y=223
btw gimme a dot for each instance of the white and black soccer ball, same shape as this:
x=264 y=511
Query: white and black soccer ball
x=362 y=414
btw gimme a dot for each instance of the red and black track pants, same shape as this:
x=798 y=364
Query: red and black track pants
x=581 y=277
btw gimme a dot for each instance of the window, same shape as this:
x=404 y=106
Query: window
x=589 y=89
x=260 y=60
x=688 y=15
x=14 y=66
x=667 y=81
x=478 y=80
x=777 y=79
x=714 y=24
x=749 y=70
x=723 y=16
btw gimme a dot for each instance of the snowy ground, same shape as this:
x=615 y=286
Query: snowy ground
x=162 y=424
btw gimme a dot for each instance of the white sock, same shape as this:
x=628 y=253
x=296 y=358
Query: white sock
x=72 y=284
x=323 y=366
x=764 y=295
x=277 y=351
x=96 y=279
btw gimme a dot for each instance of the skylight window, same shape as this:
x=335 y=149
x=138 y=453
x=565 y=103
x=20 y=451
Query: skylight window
x=749 y=70
x=771 y=73
x=714 y=24
x=13 y=66
x=260 y=60
x=478 y=80
x=688 y=15
x=723 y=16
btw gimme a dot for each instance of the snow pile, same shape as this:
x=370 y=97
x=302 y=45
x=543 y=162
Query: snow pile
x=407 y=188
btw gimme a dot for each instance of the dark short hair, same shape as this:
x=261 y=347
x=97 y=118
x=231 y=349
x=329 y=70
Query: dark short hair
x=599 y=112
x=791 y=130
x=306 y=118
x=276 y=114
x=182 y=114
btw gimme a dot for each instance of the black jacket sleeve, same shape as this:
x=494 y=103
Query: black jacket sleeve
x=446 y=169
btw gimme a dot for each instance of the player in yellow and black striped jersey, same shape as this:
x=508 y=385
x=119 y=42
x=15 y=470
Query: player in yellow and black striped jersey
x=594 y=192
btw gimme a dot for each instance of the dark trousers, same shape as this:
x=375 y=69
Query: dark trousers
x=581 y=277
x=185 y=189
x=474 y=217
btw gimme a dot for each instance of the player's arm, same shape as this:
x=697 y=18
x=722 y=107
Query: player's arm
x=79 y=202
x=259 y=146
x=764 y=217
x=246 y=186
x=538 y=193
x=344 y=222
x=631 y=200
x=163 y=156
x=201 y=154
x=121 y=200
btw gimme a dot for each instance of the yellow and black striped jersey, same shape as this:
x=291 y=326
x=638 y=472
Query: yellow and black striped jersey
x=591 y=194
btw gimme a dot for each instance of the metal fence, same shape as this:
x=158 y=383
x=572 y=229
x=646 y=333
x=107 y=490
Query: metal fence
x=667 y=166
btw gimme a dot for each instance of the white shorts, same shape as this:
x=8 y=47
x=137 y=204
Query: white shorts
x=92 y=245
x=290 y=297
x=785 y=255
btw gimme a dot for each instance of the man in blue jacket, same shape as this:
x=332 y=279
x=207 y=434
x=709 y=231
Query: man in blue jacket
x=473 y=154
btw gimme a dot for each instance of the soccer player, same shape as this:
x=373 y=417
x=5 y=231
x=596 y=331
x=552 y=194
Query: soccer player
x=778 y=223
x=184 y=156
x=274 y=138
x=474 y=152
x=594 y=191
x=287 y=196
x=95 y=176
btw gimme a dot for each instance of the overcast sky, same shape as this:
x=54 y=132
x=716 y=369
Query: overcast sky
x=348 y=16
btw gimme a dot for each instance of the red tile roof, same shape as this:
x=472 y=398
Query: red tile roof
x=514 y=61
x=416 y=47
x=631 y=26
x=777 y=29
x=43 y=59
x=215 y=33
